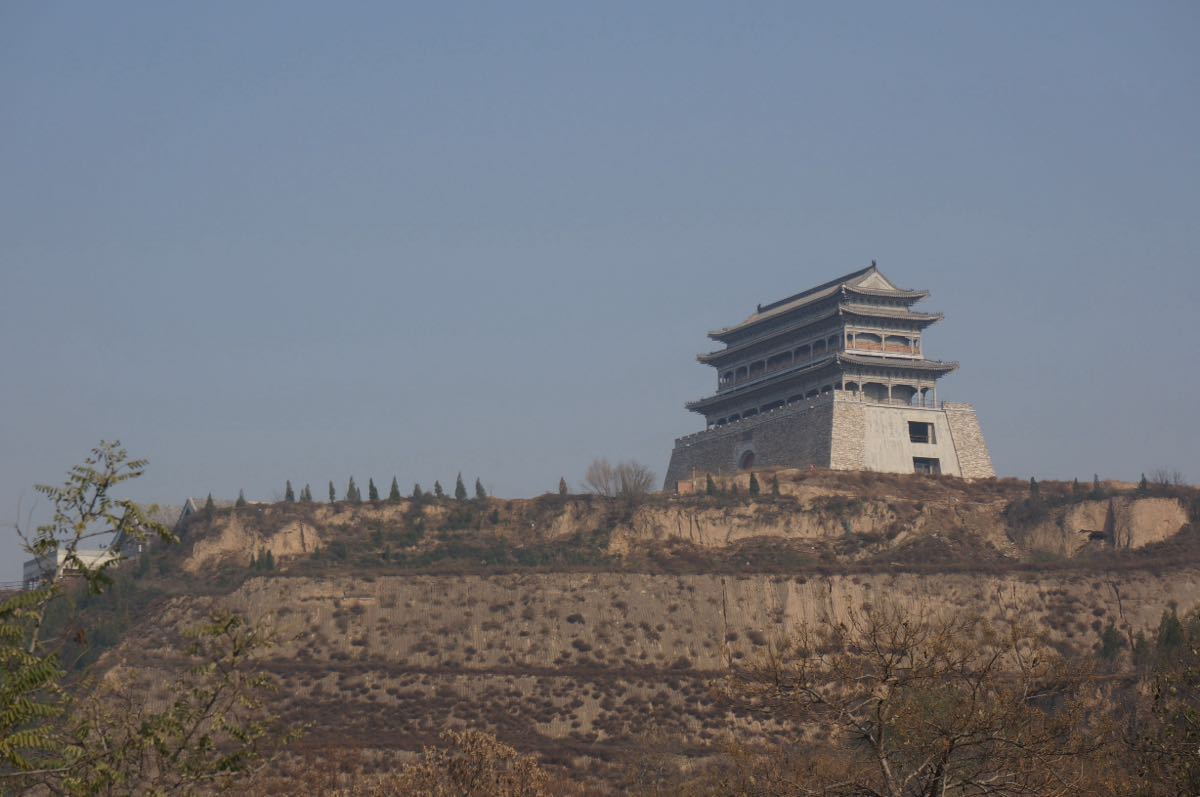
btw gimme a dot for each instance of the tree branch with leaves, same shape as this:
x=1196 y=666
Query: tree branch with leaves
x=88 y=739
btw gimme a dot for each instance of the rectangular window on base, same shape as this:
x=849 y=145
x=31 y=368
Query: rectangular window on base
x=927 y=465
x=920 y=432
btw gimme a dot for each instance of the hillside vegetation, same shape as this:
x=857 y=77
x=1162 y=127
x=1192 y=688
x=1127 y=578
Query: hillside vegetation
x=591 y=631
x=816 y=520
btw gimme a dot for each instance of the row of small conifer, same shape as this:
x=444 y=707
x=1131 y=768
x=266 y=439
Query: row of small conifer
x=754 y=488
x=353 y=493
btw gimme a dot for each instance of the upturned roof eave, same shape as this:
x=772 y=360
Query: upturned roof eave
x=938 y=367
x=764 y=381
x=866 y=311
x=914 y=294
x=911 y=296
x=942 y=366
x=926 y=319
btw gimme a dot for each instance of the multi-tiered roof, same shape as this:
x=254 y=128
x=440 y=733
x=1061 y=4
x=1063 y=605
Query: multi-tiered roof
x=857 y=333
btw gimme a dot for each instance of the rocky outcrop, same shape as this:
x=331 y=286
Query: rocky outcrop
x=1143 y=521
x=1123 y=522
x=719 y=527
x=232 y=539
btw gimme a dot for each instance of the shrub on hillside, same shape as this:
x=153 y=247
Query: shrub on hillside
x=472 y=764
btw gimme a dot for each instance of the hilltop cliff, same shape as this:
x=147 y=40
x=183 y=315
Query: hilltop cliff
x=581 y=627
x=810 y=518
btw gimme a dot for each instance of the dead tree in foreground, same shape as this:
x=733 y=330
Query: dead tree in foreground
x=920 y=704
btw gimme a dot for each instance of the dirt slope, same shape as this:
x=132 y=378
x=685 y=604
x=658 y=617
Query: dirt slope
x=579 y=626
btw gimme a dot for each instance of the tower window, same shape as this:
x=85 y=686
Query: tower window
x=930 y=466
x=920 y=432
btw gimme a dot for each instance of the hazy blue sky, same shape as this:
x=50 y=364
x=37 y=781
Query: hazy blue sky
x=260 y=241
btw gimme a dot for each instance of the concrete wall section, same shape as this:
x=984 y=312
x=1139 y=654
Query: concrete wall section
x=974 y=460
x=889 y=448
x=794 y=437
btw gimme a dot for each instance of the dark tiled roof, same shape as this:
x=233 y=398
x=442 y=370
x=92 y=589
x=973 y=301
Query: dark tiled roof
x=823 y=289
x=736 y=347
x=770 y=380
x=898 y=362
x=812 y=295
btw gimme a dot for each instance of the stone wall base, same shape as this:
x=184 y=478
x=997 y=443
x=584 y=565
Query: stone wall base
x=840 y=433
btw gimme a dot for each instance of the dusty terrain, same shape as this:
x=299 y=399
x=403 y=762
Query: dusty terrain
x=583 y=627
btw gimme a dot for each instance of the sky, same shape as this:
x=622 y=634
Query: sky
x=268 y=241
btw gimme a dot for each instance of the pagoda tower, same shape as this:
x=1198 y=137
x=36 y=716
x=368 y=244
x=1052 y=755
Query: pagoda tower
x=833 y=377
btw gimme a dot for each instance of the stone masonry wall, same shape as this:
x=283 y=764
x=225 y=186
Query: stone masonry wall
x=793 y=437
x=835 y=432
x=973 y=457
x=849 y=436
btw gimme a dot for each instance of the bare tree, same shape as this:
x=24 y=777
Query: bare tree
x=634 y=480
x=472 y=764
x=918 y=704
x=466 y=763
x=1163 y=734
x=601 y=478
x=1164 y=477
x=629 y=479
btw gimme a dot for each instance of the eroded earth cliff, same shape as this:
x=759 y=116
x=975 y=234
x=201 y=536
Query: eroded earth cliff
x=591 y=629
